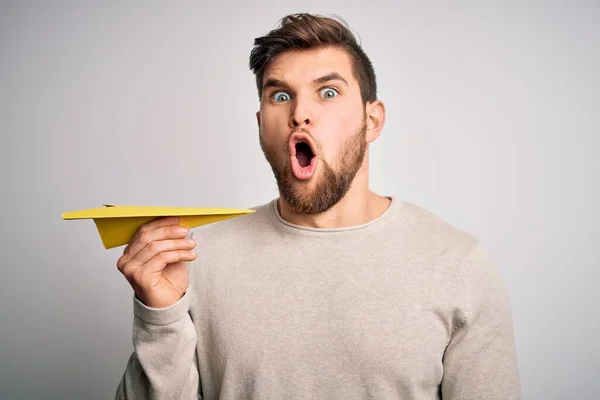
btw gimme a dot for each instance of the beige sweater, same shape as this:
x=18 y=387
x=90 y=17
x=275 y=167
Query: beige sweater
x=403 y=307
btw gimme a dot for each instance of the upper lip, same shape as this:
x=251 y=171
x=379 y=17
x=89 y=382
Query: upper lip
x=300 y=137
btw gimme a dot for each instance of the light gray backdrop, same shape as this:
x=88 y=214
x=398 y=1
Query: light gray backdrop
x=493 y=117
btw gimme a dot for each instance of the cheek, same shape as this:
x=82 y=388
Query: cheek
x=274 y=135
x=274 y=124
x=336 y=131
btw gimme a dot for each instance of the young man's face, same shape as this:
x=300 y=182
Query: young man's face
x=312 y=127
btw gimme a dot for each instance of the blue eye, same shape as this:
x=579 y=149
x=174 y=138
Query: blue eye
x=280 y=96
x=328 y=93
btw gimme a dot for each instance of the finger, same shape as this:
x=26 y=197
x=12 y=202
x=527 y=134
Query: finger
x=122 y=262
x=158 y=234
x=153 y=248
x=159 y=223
x=161 y=260
x=129 y=270
x=152 y=225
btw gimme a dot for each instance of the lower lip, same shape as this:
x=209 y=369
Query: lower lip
x=304 y=173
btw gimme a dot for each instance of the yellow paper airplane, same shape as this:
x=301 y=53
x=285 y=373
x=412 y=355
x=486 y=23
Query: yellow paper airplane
x=117 y=224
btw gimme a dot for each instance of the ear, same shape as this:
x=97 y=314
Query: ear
x=258 y=118
x=375 y=114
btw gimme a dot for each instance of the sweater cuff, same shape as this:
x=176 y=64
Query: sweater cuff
x=162 y=316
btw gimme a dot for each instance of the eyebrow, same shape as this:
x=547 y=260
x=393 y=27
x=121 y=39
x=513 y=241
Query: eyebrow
x=271 y=82
x=333 y=76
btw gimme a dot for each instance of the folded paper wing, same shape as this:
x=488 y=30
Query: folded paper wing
x=118 y=224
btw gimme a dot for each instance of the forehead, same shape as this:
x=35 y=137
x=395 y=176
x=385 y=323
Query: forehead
x=299 y=67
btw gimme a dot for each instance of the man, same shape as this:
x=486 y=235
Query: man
x=330 y=291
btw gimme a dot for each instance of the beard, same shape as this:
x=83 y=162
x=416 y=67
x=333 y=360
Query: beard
x=332 y=183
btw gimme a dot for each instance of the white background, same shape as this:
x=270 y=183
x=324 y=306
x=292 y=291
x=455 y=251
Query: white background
x=493 y=117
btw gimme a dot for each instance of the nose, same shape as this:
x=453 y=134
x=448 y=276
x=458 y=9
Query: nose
x=301 y=114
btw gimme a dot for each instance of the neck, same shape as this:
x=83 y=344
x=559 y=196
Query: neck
x=360 y=205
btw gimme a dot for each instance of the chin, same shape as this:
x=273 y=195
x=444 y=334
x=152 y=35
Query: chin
x=312 y=196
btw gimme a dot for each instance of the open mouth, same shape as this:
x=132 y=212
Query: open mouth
x=304 y=158
x=304 y=154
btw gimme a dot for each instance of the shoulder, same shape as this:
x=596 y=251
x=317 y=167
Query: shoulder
x=434 y=236
x=454 y=257
x=453 y=251
x=237 y=229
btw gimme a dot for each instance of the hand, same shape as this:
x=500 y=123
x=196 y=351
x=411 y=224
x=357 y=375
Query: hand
x=155 y=262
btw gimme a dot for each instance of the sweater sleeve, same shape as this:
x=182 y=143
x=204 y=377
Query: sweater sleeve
x=163 y=364
x=480 y=360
